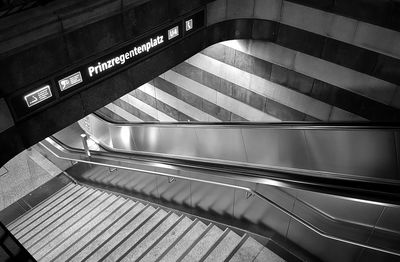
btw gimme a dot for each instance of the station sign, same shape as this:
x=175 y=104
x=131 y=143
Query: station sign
x=38 y=96
x=119 y=59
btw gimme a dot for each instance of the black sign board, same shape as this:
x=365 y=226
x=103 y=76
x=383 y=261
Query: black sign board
x=121 y=58
x=104 y=66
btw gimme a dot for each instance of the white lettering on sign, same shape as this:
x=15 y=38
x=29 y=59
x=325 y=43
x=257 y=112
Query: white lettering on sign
x=38 y=96
x=189 y=24
x=70 y=81
x=173 y=32
x=121 y=59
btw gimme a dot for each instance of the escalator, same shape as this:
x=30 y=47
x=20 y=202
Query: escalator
x=331 y=191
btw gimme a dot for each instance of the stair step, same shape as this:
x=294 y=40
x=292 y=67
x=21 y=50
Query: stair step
x=268 y=255
x=38 y=212
x=101 y=233
x=54 y=215
x=22 y=219
x=34 y=243
x=137 y=236
x=163 y=245
x=224 y=248
x=202 y=247
x=248 y=251
x=185 y=242
x=153 y=237
x=113 y=241
x=68 y=241
x=68 y=228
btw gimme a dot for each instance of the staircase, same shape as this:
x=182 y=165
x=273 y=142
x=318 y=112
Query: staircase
x=79 y=223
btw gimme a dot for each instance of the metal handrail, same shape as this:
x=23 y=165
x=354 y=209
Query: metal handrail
x=254 y=192
x=315 y=209
x=291 y=124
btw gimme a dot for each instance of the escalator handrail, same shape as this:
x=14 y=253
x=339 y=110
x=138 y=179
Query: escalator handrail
x=325 y=215
x=286 y=124
x=247 y=189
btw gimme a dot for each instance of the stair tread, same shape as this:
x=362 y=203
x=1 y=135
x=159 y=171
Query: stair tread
x=38 y=208
x=91 y=236
x=67 y=241
x=69 y=227
x=268 y=255
x=134 y=254
x=127 y=228
x=45 y=211
x=201 y=248
x=224 y=248
x=106 y=235
x=248 y=251
x=48 y=220
x=137 y=236
x=166 y=242
x=185 y=242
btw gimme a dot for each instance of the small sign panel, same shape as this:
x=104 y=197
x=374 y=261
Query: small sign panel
x=70 y=81
x=173 y=32
x=38 y=96
x=189 y=24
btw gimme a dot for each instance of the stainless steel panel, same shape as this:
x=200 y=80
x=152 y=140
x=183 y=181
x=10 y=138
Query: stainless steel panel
x=121 y=138
x=357 y=151
x=371 y=255
x=178 y=141
x=221 y=143
x=337 y=228
x=254 y=210
x=146 y=138
x=329 y=250
x=390 y=219
x=360 y=152
x=344 y=209
x=276 y=147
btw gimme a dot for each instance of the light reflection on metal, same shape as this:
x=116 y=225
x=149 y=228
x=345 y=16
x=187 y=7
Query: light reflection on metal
x=248 y=194
x=317 y=150
x=85 y=144
x=171 y=178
